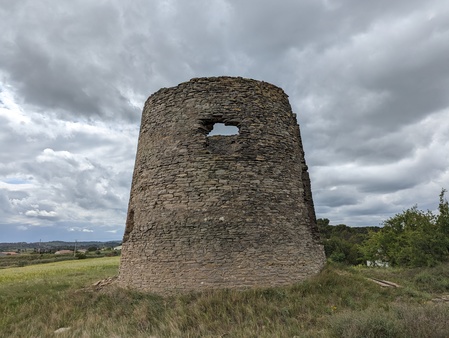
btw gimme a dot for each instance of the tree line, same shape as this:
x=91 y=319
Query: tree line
x=411 y=238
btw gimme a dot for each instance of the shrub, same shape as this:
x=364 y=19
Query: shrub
x=399 y=320
x=431 y=282
x=371 y=323
x=423 y=321
x=80 y=255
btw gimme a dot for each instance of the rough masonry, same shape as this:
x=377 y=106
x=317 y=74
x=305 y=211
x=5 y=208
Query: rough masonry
x=219 y=211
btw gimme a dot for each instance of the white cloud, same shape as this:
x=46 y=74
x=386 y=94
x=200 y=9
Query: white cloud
x=78 y=229
x=41 y=213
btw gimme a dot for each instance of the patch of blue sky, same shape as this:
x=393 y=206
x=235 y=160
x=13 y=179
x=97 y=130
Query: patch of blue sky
x=15 y=180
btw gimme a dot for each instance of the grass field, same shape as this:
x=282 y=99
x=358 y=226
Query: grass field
x=37 y=300
x=24 y=259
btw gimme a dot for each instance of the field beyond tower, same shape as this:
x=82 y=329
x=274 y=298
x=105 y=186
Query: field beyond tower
x=222 y=211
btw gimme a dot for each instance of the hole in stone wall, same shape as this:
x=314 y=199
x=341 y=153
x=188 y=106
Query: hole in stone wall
x=224 y=130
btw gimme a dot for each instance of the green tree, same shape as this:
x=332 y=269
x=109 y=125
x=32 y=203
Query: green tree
x=443 y=217
x=411 y=238
x=341 y=242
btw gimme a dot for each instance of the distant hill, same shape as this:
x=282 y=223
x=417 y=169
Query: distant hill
x=56 y=245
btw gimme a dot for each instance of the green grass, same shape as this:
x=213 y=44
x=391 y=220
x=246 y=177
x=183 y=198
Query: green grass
x=25 y=259
x=29 y=259
x=339 y=302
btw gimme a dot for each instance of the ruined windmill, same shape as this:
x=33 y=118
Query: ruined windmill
x=223 y=211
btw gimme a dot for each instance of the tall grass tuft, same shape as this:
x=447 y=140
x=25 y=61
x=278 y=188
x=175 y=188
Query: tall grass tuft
x=401 y=320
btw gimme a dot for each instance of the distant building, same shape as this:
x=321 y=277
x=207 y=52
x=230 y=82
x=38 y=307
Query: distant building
x=64 y=252
x=377 y=263
x=8 y=253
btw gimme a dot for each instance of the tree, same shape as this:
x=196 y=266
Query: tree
x=443 y=217
x=412 y=238
x=341 y=242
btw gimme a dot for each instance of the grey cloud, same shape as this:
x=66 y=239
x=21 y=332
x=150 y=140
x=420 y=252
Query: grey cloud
x=17 y=195
x=5 y=205
x=62 y=66
x=77 y=180
x=369 y=81
x=332 y=199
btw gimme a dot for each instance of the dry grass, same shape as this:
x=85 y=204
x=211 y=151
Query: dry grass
x=341 y=302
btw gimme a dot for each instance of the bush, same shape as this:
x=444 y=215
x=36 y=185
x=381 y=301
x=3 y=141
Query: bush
x=371 y=323
x=80 y=255
x=399 y=320
x=423 y=321
x=430 y=282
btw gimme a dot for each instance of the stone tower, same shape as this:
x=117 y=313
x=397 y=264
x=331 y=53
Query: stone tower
x=219 y=211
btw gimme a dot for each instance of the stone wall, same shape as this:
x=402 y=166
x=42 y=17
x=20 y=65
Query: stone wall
x=219 y=211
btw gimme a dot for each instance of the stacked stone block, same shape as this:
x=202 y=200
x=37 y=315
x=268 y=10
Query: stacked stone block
x=219 y=211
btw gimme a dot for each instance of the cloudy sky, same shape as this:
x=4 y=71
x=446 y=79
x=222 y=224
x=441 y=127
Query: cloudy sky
x=369 y=81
